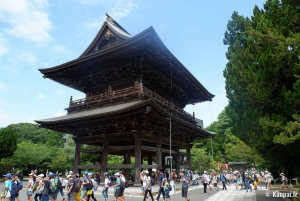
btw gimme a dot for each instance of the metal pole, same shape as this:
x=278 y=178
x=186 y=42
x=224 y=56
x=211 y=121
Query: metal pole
x=170 y=150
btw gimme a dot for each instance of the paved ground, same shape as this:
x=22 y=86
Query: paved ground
x=195 y=193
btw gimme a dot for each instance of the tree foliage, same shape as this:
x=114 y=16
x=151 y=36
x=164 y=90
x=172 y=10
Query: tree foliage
x=260 y=77
x=35 y=134
x=8 y=142
x=224 y=147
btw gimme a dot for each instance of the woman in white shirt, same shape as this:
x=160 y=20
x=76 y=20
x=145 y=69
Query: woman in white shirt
x=107 y=184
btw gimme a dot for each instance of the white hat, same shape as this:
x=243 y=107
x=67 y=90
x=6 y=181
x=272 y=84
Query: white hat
x=205 y=172
x=41 y=175
x=69 y=176
x=71 y=172
x=146 y=171
x=117 y=174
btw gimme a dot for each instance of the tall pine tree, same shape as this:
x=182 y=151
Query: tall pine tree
x=263 y=61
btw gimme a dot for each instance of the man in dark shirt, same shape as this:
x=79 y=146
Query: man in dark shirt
x=161 y=185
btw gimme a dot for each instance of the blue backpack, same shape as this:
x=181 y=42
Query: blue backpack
x=14 y=188
x=20 y=185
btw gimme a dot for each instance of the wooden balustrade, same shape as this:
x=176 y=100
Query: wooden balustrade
x=137 y=90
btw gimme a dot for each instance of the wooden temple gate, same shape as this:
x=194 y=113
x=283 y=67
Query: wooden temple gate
x=132 y=89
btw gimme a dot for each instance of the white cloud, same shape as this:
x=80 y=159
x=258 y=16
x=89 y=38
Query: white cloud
x=27 y=19
x=3 y=46
x=117 y=9
x=27 y=57
x=41 y=96
x=58 y=113
x=209 y=111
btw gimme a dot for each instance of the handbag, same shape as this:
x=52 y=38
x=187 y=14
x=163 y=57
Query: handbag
x=90 y=192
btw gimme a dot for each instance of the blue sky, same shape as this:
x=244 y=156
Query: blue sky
x=42 y=33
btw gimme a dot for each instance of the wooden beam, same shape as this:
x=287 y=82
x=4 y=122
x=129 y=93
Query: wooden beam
x=92 y=150
x=149 y=166
x=120 y=148
x=168 y=151
x=148 y=148
x=121 y=166
x=77 y=157
x=104 y=158
x=89 y=167
x=137 y=166
x=159 y=155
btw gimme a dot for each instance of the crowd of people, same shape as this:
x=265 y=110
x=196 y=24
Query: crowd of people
x=249 y=179
x=47 y=187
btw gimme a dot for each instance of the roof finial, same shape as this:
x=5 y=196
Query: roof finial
x=109 y=18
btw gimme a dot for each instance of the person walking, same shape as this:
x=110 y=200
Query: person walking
x=107 y=184
x=40 y=187
x=205 y=181
x=117 y=187
x=148 y=187
x=161 y=185
x=223 y=179
x=29 y=190
x=185 y=185
x=7 y=188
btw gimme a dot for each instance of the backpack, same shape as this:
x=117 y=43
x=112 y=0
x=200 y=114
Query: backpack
x=203 y=179
x=14 y=189
x=152 y=181
x=169 y=187
x=51 y=189
x=126 y=184
x=20 y=185
x=89 y=186
x=109 y=182
x=59 y=184
x=95 y=185
x=77 y=184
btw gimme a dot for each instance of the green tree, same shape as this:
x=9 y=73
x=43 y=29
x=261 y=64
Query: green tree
x=35 y=134
x=8 y=142
x=27 y=155
x=263 y=59
x=200 y=160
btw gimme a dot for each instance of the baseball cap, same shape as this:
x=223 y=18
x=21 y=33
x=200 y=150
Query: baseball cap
x=71 y=172
x=117 y=174
x=8 y=175
x=105 y=173
x=85 y=173
x=69 y=176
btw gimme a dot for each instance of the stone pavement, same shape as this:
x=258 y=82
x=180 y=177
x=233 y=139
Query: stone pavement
x=231 y=194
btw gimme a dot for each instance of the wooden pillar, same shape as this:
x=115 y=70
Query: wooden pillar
x=177 y=160
x=127 y=160
x=188 y=151
x=137 y=169
x=150 y=162
x=158 y=154
x=77 y=157
x=104 y=158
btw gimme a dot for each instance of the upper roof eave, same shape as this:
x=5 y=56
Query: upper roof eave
x=135 y=38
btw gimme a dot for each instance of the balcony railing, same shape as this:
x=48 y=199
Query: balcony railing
x=126 y=95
